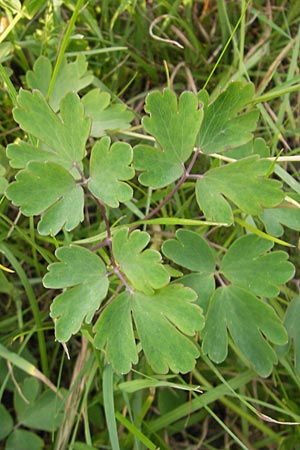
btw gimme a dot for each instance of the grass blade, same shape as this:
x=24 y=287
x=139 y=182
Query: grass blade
x=109 y=407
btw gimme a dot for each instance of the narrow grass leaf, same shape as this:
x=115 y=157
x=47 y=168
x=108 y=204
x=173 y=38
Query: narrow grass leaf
x=26 y=366
x=71 y=77
x=135 y=432
x=109 y=407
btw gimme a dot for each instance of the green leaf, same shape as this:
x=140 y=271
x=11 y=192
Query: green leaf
x=222 y=128
x=84 y=275
x=285 y=214
x=65 y=135
x=24 y=440
x=109 y=168
x=23 y=363
x=41 y=412
x=257 y=146
x=3 y=180
x=144 y=269
x=71 y=77
x=291 y=323
x=244 y=183
x=163 y=322
x=114 y=332
x=39 y=78
x=250 y=322
x=175 y=127
x=203 y=284
x=47 y=188
x=12 y=5
x=32 y=7
x=105 y=116
x=109 y=406
x=190 y=250
x=248 y=265
x=20 y=153
x=6 y=422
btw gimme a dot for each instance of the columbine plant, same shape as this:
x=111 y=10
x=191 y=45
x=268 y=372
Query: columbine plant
x=171 y=301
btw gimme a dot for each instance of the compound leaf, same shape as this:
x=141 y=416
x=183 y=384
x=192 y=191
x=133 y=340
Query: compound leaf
x=71 y=77
x=222 y=128
x=109 y=168
x=65 y=136
x=47 y=188
x=250 y=322
x=248 y=264
x=190 y=250
x=104 y=115
x=163 y=321
x=84 y=275
x=286 y=214
x=244 y=182
x=144 y=269
x=175 y=127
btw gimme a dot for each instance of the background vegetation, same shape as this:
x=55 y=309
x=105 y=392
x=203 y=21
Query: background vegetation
x=219 y=41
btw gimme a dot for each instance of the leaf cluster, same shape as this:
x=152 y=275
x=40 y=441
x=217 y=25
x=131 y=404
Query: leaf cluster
x=70 y=156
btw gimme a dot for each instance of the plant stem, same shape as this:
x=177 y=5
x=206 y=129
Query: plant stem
x=116 y=268
x=183 y=178
x=185 y=175
x=108 y=240
x=81 y=173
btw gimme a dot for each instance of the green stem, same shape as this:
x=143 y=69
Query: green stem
x=183 y=178
x=11 y=26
